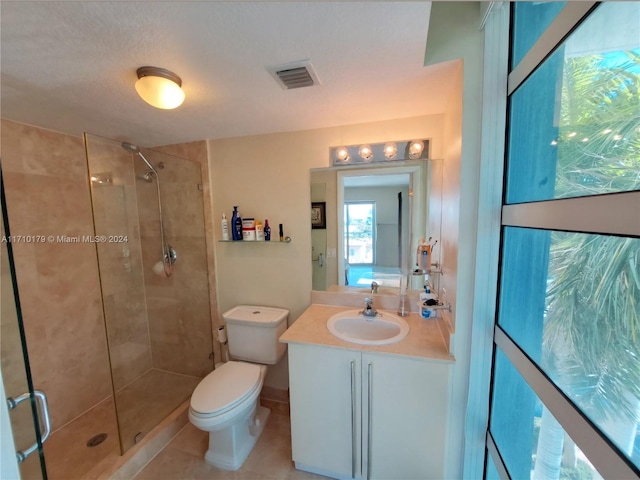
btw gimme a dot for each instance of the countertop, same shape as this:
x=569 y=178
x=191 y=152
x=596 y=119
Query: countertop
x=427 y=338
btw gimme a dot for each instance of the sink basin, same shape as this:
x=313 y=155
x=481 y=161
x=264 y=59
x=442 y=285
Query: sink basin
x=353 y=327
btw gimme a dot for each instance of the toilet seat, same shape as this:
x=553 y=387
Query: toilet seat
x=225 y=388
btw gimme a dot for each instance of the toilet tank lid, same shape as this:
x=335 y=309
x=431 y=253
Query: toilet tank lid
x=256 y=315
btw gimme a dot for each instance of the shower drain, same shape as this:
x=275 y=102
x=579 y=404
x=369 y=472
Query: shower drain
x=97 y=440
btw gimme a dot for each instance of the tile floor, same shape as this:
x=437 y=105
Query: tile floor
x=183 y=457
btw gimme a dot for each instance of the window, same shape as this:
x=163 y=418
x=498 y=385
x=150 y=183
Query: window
x=566 y=373
x=359 y=232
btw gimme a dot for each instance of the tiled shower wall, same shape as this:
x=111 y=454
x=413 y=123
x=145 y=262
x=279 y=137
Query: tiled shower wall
x=178 y=306
x=198 y=152
x=47 y=193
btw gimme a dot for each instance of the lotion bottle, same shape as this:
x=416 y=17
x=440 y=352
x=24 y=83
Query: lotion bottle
x=225 y=227
x=236 y=225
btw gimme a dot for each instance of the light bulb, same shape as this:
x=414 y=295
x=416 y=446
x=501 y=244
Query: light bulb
x=390 y=150
x=342 y=154
x=415 y=148
x=365 y=152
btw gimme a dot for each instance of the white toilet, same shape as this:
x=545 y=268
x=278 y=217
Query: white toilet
x=226 y=402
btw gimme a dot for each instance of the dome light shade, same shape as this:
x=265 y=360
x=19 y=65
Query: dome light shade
x=160 y=88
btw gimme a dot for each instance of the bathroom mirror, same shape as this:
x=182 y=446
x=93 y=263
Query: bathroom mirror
x=375 y=217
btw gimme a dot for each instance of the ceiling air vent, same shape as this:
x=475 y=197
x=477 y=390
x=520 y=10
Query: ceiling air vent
x=295 y=75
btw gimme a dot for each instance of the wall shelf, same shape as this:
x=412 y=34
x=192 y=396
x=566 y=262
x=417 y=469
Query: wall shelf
x=286 y=240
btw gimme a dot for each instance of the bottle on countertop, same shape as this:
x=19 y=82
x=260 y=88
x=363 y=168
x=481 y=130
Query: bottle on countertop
x=267 y=231
x=225 y=227
x=281 y=233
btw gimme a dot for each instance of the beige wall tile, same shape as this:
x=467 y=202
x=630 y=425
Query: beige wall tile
x=47 y=194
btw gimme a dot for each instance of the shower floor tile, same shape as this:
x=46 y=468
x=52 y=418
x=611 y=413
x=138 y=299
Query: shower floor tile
x=142 y=405
x=67 y=455
x=148 y=400
x=183 y=457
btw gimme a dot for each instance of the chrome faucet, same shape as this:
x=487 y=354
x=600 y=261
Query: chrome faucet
x=369 y=309
x=374 y=287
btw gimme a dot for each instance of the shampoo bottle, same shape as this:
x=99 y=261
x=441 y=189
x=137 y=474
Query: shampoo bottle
x=225 y=227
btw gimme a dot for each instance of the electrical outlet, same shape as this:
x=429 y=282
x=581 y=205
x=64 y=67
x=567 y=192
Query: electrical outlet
x=331 y=253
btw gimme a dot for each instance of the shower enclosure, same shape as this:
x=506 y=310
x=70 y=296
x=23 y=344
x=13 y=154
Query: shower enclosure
x=150 y=238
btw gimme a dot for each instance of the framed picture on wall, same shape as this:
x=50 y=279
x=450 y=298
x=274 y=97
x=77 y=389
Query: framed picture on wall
x=318 y=215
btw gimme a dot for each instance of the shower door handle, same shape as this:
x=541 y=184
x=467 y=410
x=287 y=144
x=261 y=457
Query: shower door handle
x=41 y=399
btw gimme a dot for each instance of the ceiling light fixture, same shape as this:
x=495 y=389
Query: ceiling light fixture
x=159 y=87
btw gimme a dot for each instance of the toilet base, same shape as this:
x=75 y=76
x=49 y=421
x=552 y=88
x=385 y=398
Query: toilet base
x=230 y=447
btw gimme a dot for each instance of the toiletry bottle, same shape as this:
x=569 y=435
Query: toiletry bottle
x=259 y=231
x=225 y=227
x=234 y=217
x=424 y=256
x=237 y=225
x=281 y=233
x=267 y=231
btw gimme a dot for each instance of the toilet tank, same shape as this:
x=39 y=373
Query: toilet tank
x=253 y=333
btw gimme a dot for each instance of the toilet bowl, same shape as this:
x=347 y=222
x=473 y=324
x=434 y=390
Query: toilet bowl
x=226 y=404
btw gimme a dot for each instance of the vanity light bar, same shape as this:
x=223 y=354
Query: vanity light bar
x=391 y=151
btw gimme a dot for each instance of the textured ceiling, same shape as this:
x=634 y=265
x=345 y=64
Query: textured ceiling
x=70 y=66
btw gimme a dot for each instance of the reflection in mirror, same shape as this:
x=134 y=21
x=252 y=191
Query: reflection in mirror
x=375 y=217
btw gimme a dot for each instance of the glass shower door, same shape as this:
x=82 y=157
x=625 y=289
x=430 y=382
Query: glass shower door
x=15 y=374
x=146 y=203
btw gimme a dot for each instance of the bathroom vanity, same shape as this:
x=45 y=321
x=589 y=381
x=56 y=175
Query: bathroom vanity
x=368 y=411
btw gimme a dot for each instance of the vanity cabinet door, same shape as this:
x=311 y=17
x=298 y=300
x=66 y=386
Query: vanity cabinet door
x=325 y=396
x=404 y=415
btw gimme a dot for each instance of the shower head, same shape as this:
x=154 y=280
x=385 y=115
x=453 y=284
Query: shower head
x=130 y=147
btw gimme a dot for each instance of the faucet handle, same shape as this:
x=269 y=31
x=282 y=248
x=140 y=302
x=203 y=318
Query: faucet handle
x=368 y=301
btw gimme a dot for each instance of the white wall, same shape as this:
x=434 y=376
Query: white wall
x=454 y=34
x=268 y=177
